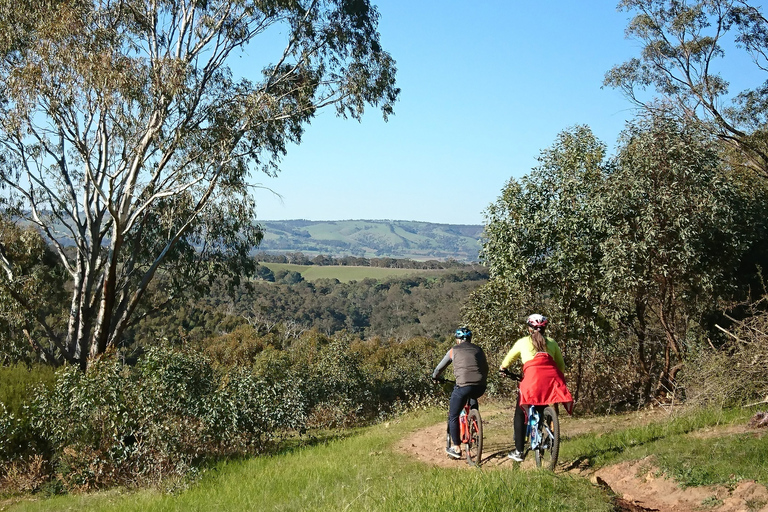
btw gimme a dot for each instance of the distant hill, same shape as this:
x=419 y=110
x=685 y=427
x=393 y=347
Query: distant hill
x=373 y=239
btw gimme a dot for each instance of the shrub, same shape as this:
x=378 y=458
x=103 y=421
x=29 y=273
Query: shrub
x=735 y=373
x=171 y=412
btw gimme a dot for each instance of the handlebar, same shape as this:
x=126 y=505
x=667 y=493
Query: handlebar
x=442 y=380
x=510 y=375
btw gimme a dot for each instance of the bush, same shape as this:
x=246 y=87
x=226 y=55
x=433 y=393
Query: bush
x=171 y=412
x=735 y=373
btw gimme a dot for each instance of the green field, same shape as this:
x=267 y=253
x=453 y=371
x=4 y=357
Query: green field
x=346 y=274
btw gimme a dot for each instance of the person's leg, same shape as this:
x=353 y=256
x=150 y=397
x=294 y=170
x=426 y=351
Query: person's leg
x=458 y=399
x=475 y=393
x=519 y=424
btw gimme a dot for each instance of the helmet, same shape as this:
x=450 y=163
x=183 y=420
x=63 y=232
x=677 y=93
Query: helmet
x=462 y=333
x=537 y=322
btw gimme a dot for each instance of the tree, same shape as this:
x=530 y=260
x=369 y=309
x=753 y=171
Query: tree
x=682 y=42
x=541 y=245
x=628 y=256
x=35 y=295
x=125 y=133
x=675 y=232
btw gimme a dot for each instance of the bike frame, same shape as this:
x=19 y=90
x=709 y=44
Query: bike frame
x=534 y=431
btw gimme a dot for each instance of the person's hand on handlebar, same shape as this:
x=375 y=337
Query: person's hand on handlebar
x=504 y=372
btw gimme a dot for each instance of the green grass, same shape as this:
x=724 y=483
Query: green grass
x=694 y=448
x=346 y=274
x=364 y=472
x=359 y=473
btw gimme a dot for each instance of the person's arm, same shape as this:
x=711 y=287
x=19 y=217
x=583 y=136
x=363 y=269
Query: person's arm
x=511 y=356
x=443 y=364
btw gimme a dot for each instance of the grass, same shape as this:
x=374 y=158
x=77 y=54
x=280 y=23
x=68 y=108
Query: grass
x=346 y=274
x=692 y=460
x=359 y=473
x=363 y=472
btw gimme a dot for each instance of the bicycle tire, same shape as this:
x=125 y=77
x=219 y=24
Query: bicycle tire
x=549 y=448
x=475 y=445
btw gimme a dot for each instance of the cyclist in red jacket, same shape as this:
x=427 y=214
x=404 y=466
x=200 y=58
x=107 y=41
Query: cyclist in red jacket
x=471 y=370
x=543 y=380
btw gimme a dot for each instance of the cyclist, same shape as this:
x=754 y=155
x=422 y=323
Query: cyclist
x=543 y=380
x=471 y=370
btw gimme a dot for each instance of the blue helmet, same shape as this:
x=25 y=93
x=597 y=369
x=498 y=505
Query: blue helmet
x=462 y=333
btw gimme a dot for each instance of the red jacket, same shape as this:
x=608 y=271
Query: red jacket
x=543 y=384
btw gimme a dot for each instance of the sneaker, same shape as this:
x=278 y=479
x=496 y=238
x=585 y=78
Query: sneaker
x=516 y=456
x=454 y=452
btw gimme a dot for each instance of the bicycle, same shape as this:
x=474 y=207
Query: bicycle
x=542 y=430
x=471 y=430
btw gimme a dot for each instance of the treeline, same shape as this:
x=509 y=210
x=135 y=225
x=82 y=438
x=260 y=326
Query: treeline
x=642 y=260
x=299 y=258
x=397 y=307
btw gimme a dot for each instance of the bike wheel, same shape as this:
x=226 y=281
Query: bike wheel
x=475 y=444
x=549 y=448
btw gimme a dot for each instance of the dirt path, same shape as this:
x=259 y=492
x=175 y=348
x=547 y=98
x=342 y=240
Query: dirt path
x=637 y=485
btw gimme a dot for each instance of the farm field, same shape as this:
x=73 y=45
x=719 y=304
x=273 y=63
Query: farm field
x=346 y=274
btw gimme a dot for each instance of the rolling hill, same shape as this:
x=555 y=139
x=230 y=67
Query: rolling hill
x=373 y=239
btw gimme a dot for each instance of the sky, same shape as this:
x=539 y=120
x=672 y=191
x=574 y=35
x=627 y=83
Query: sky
x=485 y=87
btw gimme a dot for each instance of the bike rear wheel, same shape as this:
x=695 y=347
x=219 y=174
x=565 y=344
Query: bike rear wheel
x=475 y=444
x=549 y=447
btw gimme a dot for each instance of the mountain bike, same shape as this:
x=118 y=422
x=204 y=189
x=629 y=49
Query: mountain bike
x=470 y=428
x=542 y=431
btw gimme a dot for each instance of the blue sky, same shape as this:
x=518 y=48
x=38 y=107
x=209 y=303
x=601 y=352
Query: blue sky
x=485 y=87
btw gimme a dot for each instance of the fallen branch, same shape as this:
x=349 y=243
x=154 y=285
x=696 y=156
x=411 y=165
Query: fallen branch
x=763 y=401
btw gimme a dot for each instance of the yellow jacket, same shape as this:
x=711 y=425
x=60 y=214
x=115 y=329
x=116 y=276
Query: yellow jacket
x=523 y=349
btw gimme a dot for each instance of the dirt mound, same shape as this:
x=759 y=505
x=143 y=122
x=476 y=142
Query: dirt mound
x=640 y=484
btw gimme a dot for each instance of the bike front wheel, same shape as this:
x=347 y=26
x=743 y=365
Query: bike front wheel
x=549 y=433
x=475 y=441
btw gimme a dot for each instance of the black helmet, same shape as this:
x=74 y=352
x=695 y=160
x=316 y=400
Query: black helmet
x=462 y=333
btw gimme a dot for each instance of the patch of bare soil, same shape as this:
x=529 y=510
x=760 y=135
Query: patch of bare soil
x=637 y=485
x=640 y=484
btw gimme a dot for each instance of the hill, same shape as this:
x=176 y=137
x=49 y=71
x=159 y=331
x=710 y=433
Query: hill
x=373 y=239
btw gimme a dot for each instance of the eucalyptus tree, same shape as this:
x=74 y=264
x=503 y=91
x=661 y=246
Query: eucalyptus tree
x=541 y=246
x=128 y=133
x=682 y=44
x=675 y=232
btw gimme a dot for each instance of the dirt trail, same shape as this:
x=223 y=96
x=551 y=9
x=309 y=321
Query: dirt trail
x=637 y=485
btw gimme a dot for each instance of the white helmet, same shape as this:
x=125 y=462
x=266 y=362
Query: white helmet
x=537 y=322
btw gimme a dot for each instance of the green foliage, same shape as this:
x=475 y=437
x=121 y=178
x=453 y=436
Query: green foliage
x=682 y=44
x=625 y=256
x=400 y=307
x=24 y=301
x=118 y=424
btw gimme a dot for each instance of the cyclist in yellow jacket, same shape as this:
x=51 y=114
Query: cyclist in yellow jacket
x=543 y=380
